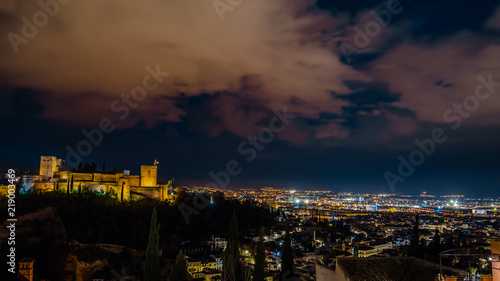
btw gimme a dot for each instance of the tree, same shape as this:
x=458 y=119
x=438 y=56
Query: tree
x=415 y=240
x=104 y=166
x=450 y=241
x=232 y=269
x=87 y=167
x=152 y=268
x=72 y=184
x=461 y=239
x=179 y=272
x=80 y=167
x=260 y=258
x=182 y=196
x=287 y=255
x=170 y=186
x=219 y=196
x=434 y=247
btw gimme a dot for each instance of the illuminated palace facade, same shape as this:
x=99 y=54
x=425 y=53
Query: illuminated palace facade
x=53 y=176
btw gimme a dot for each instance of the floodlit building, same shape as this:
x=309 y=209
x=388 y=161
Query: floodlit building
x=208 y=269
x=54 y=176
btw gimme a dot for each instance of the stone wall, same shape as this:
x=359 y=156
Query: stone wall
x=151 y=192
x=135 y=180
x=124 y=189
x=64 y=175
x=82 y=176
x=108 y=177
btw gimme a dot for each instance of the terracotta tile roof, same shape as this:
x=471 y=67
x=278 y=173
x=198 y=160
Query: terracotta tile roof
x=392 y=269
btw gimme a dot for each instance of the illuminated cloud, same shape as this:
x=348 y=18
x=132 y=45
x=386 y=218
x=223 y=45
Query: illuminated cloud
x=264 y=55
x=92 y=51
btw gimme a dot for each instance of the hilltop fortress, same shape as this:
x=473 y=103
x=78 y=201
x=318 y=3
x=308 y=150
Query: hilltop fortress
x=54 y=176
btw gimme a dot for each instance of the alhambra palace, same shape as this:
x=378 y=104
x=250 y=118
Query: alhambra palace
x=54 y=176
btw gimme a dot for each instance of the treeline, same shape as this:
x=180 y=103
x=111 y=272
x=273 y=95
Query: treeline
x=89 y=218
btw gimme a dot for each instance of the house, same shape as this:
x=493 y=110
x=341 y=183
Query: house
x=273 y=263
x=26 y=266
x=217 y=243
x=209 y=269
x=365 y=251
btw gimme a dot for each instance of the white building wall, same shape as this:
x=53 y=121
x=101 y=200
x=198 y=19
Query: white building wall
x=324 y=273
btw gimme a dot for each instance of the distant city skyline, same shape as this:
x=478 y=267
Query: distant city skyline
x=164 y=177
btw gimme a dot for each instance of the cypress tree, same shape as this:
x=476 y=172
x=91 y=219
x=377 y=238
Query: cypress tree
x=260 y=258
x=179 y=273
x=152 y=268
x=435 y=246
x=450 y=241
x=287 y=255
x=87 y=167
x=415 y=240
x=104 y=166
x=72 y=184
x=232 y=269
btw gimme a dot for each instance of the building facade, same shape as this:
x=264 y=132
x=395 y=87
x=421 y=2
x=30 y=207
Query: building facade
x=53 y=176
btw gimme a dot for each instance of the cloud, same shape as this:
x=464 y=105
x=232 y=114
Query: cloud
x=8 y=6
x=494 y=21
x=402 y=126
x=431 y=79
x=267 y=50
x=264 y=55
x=332 y=130
x=235 y=115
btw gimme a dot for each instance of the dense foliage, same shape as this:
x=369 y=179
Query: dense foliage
x=90 y=218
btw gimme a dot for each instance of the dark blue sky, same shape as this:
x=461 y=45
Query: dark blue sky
x=364 y=80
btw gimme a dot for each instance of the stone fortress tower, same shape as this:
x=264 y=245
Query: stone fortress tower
x=149 y=175
x=49 y=165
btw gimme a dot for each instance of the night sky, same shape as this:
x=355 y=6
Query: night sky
x=364 y=80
